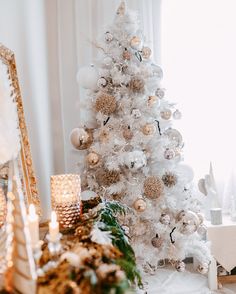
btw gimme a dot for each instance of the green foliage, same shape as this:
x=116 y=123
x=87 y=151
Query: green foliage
x=108 y=215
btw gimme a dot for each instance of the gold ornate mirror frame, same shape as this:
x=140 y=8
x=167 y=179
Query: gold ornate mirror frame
x=25 y=159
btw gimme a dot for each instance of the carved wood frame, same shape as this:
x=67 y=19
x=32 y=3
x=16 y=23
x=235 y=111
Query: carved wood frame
x=25 y=158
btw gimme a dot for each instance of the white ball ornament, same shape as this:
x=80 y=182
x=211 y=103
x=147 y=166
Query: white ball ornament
x=136 y=113
x=87 y=195
x=177 y=114
x=135 y=160
x=185 y=172
x=102 y=82
x=165 y=219
x=87 y=77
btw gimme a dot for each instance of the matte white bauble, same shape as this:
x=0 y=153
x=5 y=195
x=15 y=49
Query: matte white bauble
x=87 y=77
x=87 y=195
x=185 y=172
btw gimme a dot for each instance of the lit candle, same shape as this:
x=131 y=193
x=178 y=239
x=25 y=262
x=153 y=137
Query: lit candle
x=33 y=220
x=53 y=227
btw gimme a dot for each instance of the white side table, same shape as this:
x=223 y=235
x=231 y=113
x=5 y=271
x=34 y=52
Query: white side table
x=223 y=248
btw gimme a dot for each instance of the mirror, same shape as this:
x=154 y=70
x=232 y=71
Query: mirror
x=10 y=86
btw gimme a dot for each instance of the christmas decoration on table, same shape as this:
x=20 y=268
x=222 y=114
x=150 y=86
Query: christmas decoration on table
x=95 y=256
x=136 y=153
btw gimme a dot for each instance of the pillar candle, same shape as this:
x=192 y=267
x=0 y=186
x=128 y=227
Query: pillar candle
x=33 y=220
x=53 y=227
x=216 y=216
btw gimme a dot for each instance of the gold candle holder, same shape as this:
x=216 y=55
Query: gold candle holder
x=3 y=207
x=66 y=199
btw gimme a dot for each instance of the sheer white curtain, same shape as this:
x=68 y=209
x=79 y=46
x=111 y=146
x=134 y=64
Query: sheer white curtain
x=199 y=61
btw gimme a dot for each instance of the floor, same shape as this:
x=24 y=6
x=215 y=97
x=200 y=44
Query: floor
x=167 y=281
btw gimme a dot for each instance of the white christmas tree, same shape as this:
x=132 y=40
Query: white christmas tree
x=133 y=154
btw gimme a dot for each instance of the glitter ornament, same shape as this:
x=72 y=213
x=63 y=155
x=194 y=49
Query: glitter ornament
x=169 y=179
x=174 y=136
x=107 y=177
x=135 y=160
x=93 y=159
x=3 y=208
x=126 y=55
x=177 y=114
x=135 y=42
x=105 y=103
x=188 y=222
x=203 y=268
x=102 y=82
x=127 y=133
x=160 y=93
x=87 y=77
x=149 y=129
x=169 y=153
x=180 y=266
x=81 y=138
x=153 y=187
x=157 y=241
x=166 y=114
x=108 y=37
x=165 y=219
x=137 y=85
x=152 y=100
x=202 y=230
x=146 y=52
x=136 y=113
x=140 y=205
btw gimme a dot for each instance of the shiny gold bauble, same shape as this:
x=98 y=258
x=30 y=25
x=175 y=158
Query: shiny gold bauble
x=140 y=205
x=149 y=129
x=152 y=100
x=81 y=138
x=127 y=55
x=146 y=52
x=153 y=187
x=166 y=114
x=135 y=42
x=93 y=159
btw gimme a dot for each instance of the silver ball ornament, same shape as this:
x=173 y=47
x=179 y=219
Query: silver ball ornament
x=102 y=82
x=188 y=222
x=180 y=266
x=169 y=154
x=174 y=136
x=165 y=219
x=108 y=37
x=136 y=113
x=203 y=268
x=202 y=230
x=160 y=93
x=177 y=114
x=107 y=61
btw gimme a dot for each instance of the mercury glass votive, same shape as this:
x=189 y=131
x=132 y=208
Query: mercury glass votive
x=66 y=198
x=3 y=207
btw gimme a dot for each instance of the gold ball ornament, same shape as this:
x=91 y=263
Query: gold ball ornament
x=166 y=114
x=149 y=129
x=203 y=268
x=126 y=55
x=105 y=103
x=92 y=159
x=137 y=85
x=135 y=42
x=180 y=266
x=153 y=187
x=146 y=52
x=140 y=205
x=127 y=133
x=169 y=179
x=157 y=241
x=81 y=138
x=152 y=100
